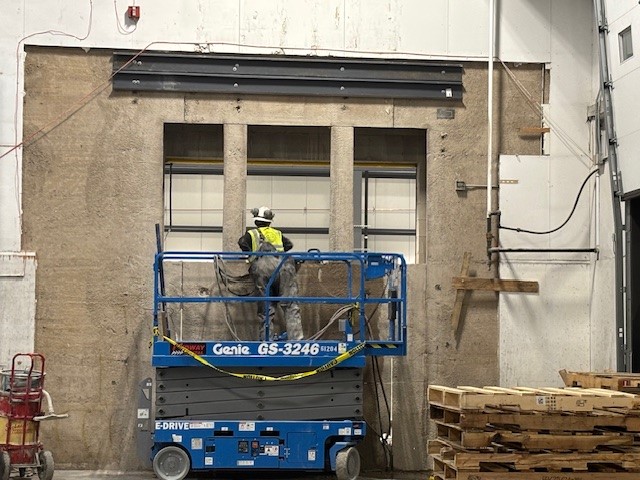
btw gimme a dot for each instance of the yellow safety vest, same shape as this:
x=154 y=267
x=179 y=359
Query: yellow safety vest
x=267 y=234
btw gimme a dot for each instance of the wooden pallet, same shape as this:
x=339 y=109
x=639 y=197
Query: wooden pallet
x=530 y=399
x=452 y=460
x=624 y=382
x=504 y=440
x=536 y=476
x=537 y=421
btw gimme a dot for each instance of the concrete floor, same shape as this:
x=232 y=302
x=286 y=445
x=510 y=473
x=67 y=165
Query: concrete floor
x=102 y=475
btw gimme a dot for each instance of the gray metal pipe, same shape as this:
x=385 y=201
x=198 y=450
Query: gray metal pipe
x=623 y=326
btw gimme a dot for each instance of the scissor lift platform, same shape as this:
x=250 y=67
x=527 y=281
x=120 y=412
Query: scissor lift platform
x=246 y=404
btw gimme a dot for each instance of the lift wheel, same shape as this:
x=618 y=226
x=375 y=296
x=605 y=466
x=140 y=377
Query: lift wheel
x=171 y=463
x=348 y=464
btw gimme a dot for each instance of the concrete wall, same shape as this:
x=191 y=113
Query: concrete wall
x=96 y=183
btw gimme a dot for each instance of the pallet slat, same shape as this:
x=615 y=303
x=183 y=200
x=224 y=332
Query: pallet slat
x=537 y=476
x=620 y=381
x=531 y=441
x=543 y=400
x=551 y=461
x=536 y=421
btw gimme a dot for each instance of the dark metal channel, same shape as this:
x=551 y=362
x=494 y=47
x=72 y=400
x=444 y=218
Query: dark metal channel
x=407 y=232
x=218 y=169
x=543 y=250
x=287 y=75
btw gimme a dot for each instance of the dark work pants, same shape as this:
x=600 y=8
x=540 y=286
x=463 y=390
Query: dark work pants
x=284 y=285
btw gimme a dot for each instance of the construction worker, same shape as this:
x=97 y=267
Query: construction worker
x=265 y=238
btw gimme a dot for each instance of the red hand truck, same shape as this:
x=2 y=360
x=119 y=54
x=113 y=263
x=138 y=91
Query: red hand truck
x=21 y=394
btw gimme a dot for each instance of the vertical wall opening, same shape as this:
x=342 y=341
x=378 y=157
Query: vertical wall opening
x=288 y=170
x=193 y=186
x=386 y=162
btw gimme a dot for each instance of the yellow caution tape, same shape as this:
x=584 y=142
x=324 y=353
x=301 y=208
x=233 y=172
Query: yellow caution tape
x=253 y=376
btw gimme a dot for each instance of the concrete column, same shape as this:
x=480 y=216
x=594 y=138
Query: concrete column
x=341 y=225
x=235 y=185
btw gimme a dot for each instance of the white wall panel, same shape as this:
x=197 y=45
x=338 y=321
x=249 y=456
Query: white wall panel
x=212 y=199
x=628 y=162
x=543 y=333
x=524 y=29
x=304 y=24
x=396 y=25
x=618 y=8
x=318 y=196
x=161 y=21
x=626 y=101
x=434 y=28
x=563 y=326
x=627 y=105
x=296 y=201
x=18 y=294
x=566 y=175
x=541 y=200
x=571 y=89
x=258 y=193
x=468 y=32
x=525 y=202
x=10 y=108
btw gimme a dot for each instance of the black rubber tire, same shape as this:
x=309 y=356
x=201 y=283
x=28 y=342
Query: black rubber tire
x=348 y=464
x=47 y=465
x=171 y=463
x=22 y=472
x=5 y=465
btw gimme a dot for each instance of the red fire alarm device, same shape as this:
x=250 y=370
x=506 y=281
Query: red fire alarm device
x=133 y=12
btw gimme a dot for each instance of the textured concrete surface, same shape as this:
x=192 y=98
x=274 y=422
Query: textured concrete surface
x=341 y=189
x=133 y=475
x=93 y=193
x=235 y=185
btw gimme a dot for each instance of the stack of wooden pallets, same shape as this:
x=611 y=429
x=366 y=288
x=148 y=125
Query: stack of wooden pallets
x=496 y=433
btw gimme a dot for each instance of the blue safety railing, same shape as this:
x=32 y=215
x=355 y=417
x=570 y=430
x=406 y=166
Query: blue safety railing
x=355 y=334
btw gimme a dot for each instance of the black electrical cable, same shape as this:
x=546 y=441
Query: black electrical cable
x=388 y=408
x=227 y=279
x=377 y=379
x=379 y=411
x=575 y=204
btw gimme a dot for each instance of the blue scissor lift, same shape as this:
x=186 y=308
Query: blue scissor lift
x=221 y=405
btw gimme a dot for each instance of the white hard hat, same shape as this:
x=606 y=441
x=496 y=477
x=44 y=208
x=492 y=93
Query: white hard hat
x=262 y=214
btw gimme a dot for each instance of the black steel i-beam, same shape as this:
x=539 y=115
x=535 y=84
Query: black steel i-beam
x=287 y=75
